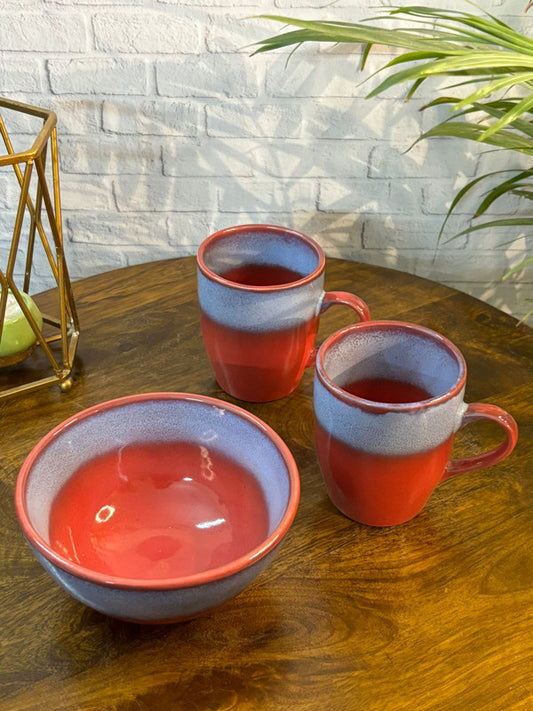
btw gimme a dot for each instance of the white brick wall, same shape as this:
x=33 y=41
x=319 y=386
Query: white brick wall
x=169 y=130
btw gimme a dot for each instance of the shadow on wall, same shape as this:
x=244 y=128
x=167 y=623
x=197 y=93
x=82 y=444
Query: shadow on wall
x=150 y=177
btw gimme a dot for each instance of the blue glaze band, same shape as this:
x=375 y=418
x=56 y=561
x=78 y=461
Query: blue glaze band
x=391 y=433
x=259 y=311
x=154 y=606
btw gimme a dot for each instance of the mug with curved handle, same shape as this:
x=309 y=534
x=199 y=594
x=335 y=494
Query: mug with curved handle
x=388 y=400
x=260 y=289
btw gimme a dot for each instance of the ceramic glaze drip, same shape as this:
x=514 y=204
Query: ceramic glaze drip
x=157 y=511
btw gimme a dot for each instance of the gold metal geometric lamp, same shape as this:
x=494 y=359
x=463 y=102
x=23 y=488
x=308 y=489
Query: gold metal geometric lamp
x=36 y=349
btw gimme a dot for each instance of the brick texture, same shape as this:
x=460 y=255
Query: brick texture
x=168 y=130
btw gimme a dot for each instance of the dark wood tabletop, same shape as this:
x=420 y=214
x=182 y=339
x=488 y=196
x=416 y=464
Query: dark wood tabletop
x=435 y=614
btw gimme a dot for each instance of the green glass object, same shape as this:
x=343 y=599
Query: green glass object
x=17 y=333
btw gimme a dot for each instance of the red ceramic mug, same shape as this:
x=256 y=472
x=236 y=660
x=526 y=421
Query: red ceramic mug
x=260 y=289
x=388 y=399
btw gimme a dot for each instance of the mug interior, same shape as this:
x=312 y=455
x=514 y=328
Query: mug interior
x=394 y=351
x=111 y=427
x=261 y=244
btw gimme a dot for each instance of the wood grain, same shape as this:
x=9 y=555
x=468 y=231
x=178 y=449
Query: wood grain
x=433 y=615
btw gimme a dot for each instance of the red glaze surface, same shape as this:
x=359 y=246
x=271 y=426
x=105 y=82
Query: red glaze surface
x=262 y=275
x=158 y=510
x=386 y=390
x=258 y=367
x=261 y=367
x=375 y=489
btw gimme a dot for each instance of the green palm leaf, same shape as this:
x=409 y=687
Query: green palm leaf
x=478 y=51
x=525 y=105
x=507 y=186
x=522 y=265
x=527 y=194
x=495 y=224
x=497 y=109
x=495 y=86
x=457 y=66
x=357 y=33
x=494 y=109
x=474 y=132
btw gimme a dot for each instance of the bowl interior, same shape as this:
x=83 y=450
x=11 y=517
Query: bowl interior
x=209 y=425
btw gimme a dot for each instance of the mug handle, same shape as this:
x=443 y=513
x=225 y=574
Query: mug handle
x=482 y=411
x=330 y=298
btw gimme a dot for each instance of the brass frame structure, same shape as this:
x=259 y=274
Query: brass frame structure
x=62 y=327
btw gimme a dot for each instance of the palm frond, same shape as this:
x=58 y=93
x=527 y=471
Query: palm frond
x=518 y=268
x=478 y=51
x=495 y=224
x=492 y=87
x=474 y=132
x=468 y=188
x=513 y=185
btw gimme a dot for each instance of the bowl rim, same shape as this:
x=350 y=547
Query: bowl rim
x=211 y=575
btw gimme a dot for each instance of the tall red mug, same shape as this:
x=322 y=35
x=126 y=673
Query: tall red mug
x=261 y=294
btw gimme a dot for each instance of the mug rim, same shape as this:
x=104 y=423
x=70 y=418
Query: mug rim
x=275 y=229
x=382 y=407
x=115 y=581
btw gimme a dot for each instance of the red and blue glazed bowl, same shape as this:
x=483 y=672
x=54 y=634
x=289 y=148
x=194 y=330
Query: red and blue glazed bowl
x=157 y=507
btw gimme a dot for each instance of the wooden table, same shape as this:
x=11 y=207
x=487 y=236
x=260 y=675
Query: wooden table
x=434 y=614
